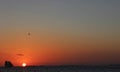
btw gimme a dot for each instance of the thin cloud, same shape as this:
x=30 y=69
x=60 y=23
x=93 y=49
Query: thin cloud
x=20 y=54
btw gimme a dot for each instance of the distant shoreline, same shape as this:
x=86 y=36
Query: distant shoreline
x=78 y=66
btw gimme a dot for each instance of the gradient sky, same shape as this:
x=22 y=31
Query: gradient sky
x=62 y=32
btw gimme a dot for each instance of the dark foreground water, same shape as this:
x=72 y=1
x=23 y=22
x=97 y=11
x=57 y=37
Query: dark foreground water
x=62 y=69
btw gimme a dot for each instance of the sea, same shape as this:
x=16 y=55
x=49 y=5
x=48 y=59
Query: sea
x=62 y=69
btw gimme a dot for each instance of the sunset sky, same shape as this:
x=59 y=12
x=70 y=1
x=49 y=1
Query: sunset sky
x=62 y=32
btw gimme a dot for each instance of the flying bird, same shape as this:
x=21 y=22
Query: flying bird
x=29 y=34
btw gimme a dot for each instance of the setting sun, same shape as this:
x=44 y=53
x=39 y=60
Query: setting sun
x=24 y=64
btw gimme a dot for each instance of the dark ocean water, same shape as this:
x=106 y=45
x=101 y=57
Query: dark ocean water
x=62 y=69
